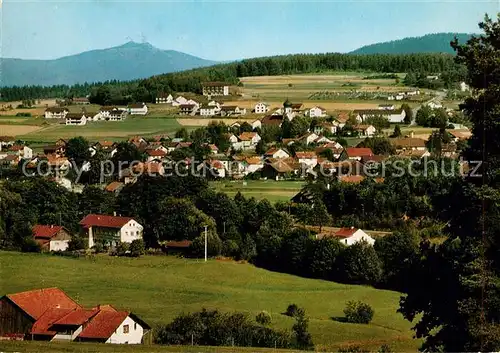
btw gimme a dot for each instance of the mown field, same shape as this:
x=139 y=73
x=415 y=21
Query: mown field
x=101 y=130
x=158 y=288
x=260 y=189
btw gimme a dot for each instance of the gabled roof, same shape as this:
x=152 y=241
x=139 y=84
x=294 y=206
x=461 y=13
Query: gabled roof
x=136 y=105
x=247 y=136
x=45 y=231
x=407 y=142
x=95 y=220
x=44 y=322
x=306 y=155
x=355 y=179
x=76 y=116
x=156 y=153
x=7 y=138
x=15 y=148
x=107 y=108
x=272 y=120
x=179 y=244
x=76 y=317
x=104 y=324
x=113 y=186
x=359 y=151
x=56 y=110
x=253 y=160
x=346 y=232
x=36 y=302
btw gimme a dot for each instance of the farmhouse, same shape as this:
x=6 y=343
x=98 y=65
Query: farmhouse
x=232 y=110
x=366 y=130
x=393 y=116
x=246 y=140
x=49 y=314
x=386 y=107
x=215 y=89
x=137 y=109
x=270 y=120
x=164 y=99
x=51 y=237
x=350 y=236
x=316 y=112
x=209 y=110
x=22 y=151
x=76 y=119
x=356 y=153
x=188 y=109
x=55 y=113
x=110 y=230
x=116 y=115
x=261 y=108
x=276 y=153
x=408 y=143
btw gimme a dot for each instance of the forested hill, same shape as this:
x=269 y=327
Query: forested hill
x=190 y=81
x=430 y=43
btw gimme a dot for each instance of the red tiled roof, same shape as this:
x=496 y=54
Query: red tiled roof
x=113 y=186
x=76 y=317
x=247 y=136
x=156 y=153
x=104 y=324
x=14 y=148
x=179 y=244
x=306 y=155
x=346 y=232
x=45 y=231
x=352 y=178
x=36 y=302
x=359 y=151
x=95 y=220
x=44 y=322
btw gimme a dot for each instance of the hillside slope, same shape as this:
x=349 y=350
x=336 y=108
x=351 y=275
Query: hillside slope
x=158 y=288
x=126 y=62
x=430 y=43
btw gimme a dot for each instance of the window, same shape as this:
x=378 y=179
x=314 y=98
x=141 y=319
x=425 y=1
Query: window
x=126 y=328
x=126 y=233
x=135 y=325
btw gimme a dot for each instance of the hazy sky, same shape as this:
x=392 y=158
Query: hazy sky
x=224 y=30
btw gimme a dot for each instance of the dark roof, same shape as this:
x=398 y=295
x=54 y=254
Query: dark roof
x=179 y=244
x=136 y=105
x=74 y=115
x=56 y=110
x=376 y=112
x=272 y=120
x=95 y=220
x=215 y=84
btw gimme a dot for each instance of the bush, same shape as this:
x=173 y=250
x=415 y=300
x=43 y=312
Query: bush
x=98 y=248
x=230 y=248
x=121 y=249
x=30 y=245
x=24 y=114
x=292 y=310
x=263 y=318
x=137 y=247
x=358 y=312
x=303 y=339
x=76 y=243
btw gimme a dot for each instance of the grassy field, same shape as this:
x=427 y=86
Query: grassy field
x=260 y=189
x=158 y=288
x=118 y=130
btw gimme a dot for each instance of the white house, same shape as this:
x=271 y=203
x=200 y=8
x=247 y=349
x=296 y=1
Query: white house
x=76 y=119
x=276 y=153
x=179 y=101
x=386 y=107
x=261 y=108
x=55 y=113
x=316 y=112
x=308 y=158
x=350 y=236
x=256 y=124
x=366 y=130
x=115 y=327
x=434 y=105
x=215 y=89
x=22 y=151
x=233 y=139
x=93 y=116
x=51 y=237
x=247 y=140
x=111 y=229
x=309 y=138
x=163 y=99
x=209 y=110
x=137 y=109
x=393 y=116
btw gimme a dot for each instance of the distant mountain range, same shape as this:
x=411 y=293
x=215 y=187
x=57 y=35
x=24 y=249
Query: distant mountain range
x=125 y=62
x=430 y=43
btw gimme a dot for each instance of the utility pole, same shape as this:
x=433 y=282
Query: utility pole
x=205 y=243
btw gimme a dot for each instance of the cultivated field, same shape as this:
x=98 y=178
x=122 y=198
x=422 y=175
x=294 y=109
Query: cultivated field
x=260 y=189
x=157 y=288
x=119 y=130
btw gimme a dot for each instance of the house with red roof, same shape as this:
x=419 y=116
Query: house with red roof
x=356 y=153
x=110 y=230
x=350 y=236
x=49 y=314
x=51 y=237
x=275 y=152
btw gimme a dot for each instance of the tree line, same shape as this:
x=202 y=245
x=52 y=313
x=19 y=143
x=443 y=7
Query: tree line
x=115 y=92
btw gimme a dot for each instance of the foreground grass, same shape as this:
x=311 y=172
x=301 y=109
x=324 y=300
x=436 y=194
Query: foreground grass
x=158 y=288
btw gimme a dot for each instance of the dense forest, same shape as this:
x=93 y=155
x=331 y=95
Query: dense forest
x=430 y=43
x=114 y=92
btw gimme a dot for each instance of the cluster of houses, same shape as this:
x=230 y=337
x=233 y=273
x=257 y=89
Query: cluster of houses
x=49 y=314
x=403 y=95
x=105 y=113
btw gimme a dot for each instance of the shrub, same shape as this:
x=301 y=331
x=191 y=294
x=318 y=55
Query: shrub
x=292 y=310
x=30 y=245
x=137 y=247
x=303 y=339
x=352 y=349
x=24 y=114
x=263 y=318
x=76 y=243
x=98 y=248
x=230 y=248
x=121 y=249
x=358 y=312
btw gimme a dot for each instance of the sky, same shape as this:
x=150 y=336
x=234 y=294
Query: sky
x=226 y=30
